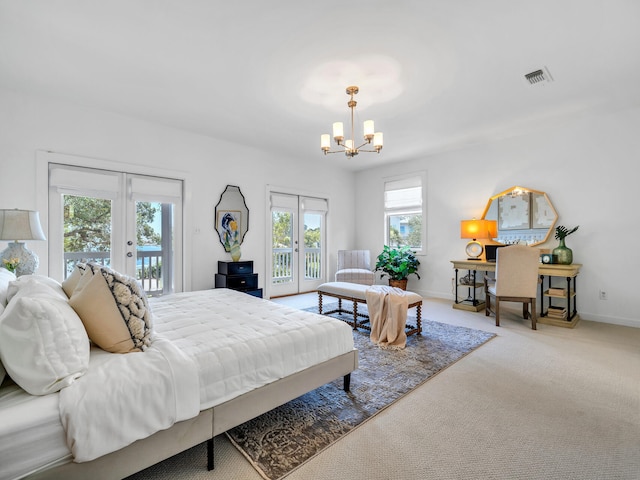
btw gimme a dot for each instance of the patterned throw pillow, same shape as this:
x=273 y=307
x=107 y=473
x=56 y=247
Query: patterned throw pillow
x=114 y=310
x=133 y=304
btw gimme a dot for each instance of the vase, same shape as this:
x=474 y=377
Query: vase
x=401 y=284
x=235 y=252
x=564 y=254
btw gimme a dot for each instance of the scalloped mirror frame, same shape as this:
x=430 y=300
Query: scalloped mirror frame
x=232 y=199
x=515 y=189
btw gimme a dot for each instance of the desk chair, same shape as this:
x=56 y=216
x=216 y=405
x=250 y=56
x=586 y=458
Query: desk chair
x=354 y=266
x=516 y=280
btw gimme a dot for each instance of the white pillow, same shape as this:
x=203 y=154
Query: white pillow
x=35 y=286
x=43 y=344
x=5 y=277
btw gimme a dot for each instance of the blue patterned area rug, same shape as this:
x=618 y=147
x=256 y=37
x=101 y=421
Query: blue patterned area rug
x=279 y=441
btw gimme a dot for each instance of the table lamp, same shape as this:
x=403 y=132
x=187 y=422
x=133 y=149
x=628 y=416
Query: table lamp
x=475 y=230
x=18 y=225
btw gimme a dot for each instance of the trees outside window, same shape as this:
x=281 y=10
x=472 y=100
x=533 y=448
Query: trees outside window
x=403 y=212
x=129 y=222
x=87 y=224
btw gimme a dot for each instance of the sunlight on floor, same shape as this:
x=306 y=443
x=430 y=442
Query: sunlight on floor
x=303 y=300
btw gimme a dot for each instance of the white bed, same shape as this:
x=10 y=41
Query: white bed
x=250 y=355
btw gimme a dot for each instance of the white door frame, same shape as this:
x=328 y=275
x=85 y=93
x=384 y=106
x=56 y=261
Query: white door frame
x=44 y=158
x=268 y=231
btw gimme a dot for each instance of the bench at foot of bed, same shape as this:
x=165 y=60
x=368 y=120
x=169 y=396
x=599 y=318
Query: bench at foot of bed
x=356 y=294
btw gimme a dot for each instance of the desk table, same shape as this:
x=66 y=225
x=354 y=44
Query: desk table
x=546 y=271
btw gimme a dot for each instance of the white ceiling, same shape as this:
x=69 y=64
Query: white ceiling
x=433 y=74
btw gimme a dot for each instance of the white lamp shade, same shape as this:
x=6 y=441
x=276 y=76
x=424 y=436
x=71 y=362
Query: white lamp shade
x=377 y=139
x=338 y=130
x=20 y=225
x=325 y=141
x=369 y=129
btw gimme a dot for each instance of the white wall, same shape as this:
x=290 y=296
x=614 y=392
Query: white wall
x=586 y=166
x=29 y=124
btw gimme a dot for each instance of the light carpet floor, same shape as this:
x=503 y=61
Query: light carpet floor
x=554 y=403
x=284 y=438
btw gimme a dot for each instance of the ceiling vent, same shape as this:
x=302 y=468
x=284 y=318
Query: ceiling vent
x=539 y=77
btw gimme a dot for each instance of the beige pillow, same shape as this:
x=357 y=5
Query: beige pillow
x=70 y=283
x=114 y=311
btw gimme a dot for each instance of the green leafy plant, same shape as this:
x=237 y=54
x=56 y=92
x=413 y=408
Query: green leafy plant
x=397 y=263
x=562 y=232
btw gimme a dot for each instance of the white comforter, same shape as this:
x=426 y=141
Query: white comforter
x=241 y=343
x=123 y=398
x=210 y=346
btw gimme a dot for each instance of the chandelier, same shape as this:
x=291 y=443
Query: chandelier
x=348 y=146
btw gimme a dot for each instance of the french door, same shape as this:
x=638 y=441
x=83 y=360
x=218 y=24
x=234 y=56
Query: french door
x=298 y=243
x=131 y=223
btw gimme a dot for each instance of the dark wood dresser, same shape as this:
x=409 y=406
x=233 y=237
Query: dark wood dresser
x=238 y=276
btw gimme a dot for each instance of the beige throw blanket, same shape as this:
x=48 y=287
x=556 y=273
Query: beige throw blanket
x=387 y=316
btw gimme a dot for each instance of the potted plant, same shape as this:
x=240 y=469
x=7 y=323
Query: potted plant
x=563 y=253
x=398 y=264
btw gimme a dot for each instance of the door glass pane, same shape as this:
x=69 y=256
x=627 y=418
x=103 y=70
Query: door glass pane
x=282 y=241
x=107 y=217
x=87 y=231
x=154 y=251
x=312 y=246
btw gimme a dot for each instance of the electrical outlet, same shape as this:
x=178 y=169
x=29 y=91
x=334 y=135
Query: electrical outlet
x=603 y=295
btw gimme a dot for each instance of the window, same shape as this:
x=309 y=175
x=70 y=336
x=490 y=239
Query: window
x=403 y=209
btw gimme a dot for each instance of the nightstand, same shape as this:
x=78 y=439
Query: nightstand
x=238 y=276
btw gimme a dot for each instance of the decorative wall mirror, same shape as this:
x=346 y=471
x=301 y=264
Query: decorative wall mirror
x=232 y=217
x=523 y=215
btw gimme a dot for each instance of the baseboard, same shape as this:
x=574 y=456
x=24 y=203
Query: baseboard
x=624 y=322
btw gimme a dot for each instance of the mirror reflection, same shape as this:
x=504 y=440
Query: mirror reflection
x=523 y=216
x=231 y=217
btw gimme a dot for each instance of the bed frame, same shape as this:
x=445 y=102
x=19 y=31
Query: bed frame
x=209 y=423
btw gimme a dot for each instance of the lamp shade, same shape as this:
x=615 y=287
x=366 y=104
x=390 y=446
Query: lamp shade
x=20 y=225
x=478 y=229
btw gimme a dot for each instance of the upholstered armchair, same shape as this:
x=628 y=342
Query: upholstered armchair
x=516 y=280
x=354 y=266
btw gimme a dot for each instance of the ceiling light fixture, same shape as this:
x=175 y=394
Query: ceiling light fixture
x=348 y=146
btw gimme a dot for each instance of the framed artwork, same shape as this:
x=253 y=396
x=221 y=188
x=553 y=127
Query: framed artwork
x=228 y=226
x=542 y=213
x=231 y=217
x=513 y=212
